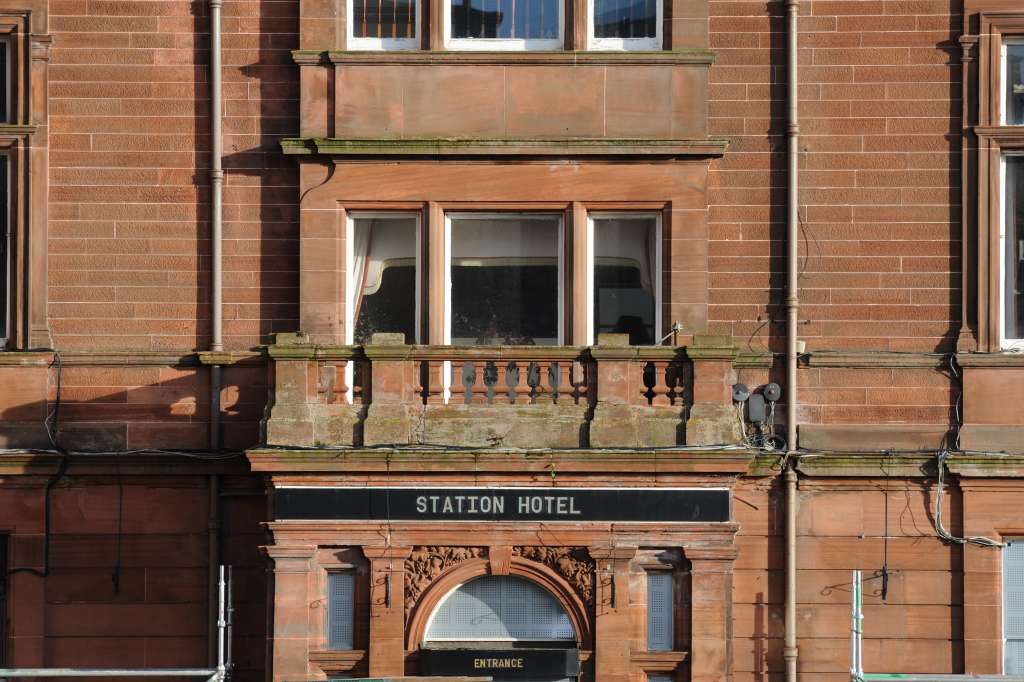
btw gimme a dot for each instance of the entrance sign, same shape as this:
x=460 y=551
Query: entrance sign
x=506 y=664
x=502 y=504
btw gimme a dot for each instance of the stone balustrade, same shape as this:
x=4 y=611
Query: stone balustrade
x=611 y=395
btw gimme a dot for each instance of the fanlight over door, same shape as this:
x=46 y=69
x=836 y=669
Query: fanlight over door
x=499 y=609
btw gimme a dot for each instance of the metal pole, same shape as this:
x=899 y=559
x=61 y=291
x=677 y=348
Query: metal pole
x=789 y=651
x=222 y=624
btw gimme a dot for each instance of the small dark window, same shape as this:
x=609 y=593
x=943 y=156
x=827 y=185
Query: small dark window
x=5 y=255
x=3 y=601
x=341 y=587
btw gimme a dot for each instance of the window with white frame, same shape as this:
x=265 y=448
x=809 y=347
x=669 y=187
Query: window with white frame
x=1013 y=607
x=625 y=24
x=625 y=276
x=1011 y=238
x=504 y=279
x=382 y=276
x=341 y=588
x=1012 y=68
x=504 y=24
x=383 y=24
x=660 y=611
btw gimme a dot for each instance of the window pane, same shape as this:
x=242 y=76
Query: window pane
x=5 y=251
x=625 y=277
x=1014 y=92
x=659 y=612
x=384 y=276
x=500 y=608
x=1013 y=607
x=341 y=611
x=625 y=18
x=384 y=18
x=504 y=279
x=521 y=19
x=1014 y=249
x=5 y=47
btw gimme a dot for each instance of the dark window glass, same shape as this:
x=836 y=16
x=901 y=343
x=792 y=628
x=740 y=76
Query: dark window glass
x=5 y=88
x=3 y=601
x=511 y=19
x=625 y=278
x=625 y=18
x=1014 y=91
x=384 y=277
x=5 y=254
x=504 y=280
x=388 y=19
x=1013 y=325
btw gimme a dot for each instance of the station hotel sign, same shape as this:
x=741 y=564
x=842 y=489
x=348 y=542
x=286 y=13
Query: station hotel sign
x=700 y=505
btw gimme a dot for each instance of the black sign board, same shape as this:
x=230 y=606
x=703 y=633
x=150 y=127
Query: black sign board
x=506 y=664
x=502 y=504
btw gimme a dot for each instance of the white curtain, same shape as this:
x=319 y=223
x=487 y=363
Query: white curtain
x=361 y=238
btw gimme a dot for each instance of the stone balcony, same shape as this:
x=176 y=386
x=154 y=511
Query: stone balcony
x=611 y=395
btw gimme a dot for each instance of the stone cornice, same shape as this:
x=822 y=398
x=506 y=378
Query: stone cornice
x=1005 y=359
x=507 y=147
x=131 y=358
x=45 y=462
x=504 y=58
x=421 y=461
x=869 y=359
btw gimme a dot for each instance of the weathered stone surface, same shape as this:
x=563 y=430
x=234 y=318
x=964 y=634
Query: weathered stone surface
x=636 y=426
x=713 y=424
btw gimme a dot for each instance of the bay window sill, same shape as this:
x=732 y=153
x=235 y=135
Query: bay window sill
x=506 y=57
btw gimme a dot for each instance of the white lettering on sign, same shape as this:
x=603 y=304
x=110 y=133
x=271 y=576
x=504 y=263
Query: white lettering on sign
x=460 y=504
x=499 y=663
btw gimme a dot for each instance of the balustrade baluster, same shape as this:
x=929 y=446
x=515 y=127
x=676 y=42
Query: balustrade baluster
x=660 y=388
x=511 y=377
x=533 y=381
x=490 y=379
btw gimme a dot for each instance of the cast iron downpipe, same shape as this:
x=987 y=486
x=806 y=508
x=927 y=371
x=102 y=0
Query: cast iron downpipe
x=792 y=306
x=216 y=317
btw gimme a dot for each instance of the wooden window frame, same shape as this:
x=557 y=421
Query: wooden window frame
x=995 y=142
x=575 y=256
x=382 y=44
x=657 y=283
x=23 y=143
x=655 y=44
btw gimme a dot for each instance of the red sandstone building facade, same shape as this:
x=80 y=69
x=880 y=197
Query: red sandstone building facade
x=439 y=352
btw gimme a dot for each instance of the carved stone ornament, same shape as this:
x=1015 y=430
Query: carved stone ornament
x=425 y=563
x=572 y=563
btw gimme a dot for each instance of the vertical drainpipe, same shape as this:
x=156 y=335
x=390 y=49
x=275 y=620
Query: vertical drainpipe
x=216 y=319
x=792 y=306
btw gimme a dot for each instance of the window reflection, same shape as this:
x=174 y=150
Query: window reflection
x=625 y=277
x=1014 y=89
x=625 y=19
x=505 y=19
x=505 y=280
x=383 y=276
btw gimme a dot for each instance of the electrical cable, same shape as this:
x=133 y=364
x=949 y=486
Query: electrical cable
x=980 y=541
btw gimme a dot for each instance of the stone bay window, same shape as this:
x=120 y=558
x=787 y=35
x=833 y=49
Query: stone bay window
x=503 y=251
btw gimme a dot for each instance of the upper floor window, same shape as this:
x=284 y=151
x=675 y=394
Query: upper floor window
x=6 y=262
x=504 y=24
x=1013 y=81
x=1011 y=238
x=625 y=24
x=504 y=279
x=625 y=277
x=383 y=24
x=382 y=275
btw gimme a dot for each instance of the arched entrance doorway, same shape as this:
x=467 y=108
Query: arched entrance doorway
x=503 y=626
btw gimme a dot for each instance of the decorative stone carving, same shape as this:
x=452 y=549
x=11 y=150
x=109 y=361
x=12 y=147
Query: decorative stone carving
x=425 y=563
x=572 y=563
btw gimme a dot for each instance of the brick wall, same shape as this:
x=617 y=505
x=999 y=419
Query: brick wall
x=128 y=572
x=880 y=215
x=842 y=526
x=129 y=188
x=879 y=192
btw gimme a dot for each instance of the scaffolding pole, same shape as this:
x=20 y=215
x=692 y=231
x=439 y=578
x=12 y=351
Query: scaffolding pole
x=857 y=673
x=218 y=674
